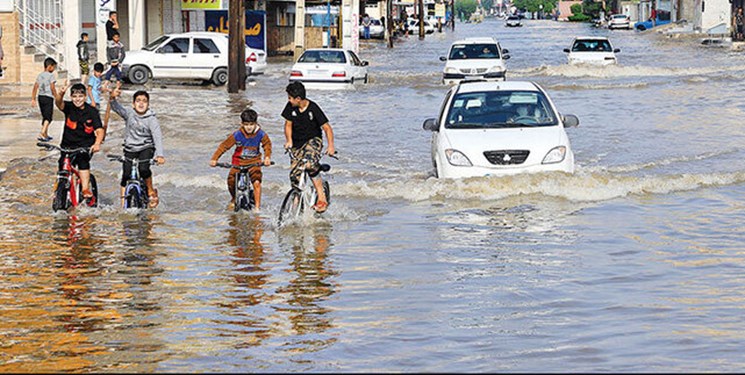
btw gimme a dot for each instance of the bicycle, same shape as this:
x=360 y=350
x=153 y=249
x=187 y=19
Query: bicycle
x=68 y=191
x=135 y=189
x=304 y=194
x=244 y=187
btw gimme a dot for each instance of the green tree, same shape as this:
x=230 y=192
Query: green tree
x=577 y=14
x=465 y=8
x=534 y=6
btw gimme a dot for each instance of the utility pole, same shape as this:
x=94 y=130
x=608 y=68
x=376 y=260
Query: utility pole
x=236 y=46
x=389 y=22
x=421 y=19
x=452 y=15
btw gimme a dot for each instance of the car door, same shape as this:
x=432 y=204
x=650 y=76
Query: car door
x=205 y=57
x=358 y=71
x=172 y=59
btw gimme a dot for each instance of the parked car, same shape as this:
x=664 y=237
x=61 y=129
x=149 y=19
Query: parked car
x=619 y=21
x=646 y=25
x=332 y=67
x=377 y=30
x=192 y=55
x=591 y=50
x=413 y=23
x=499 y=128
x=513 y=21
x=474 y=58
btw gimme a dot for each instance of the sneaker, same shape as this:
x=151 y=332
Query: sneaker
x=320 y=207
x=87 y=194
x=153 y=199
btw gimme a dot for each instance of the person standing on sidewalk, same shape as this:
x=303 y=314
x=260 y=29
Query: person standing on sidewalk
x=44 y=87
x=739 y=21
x=83 y=57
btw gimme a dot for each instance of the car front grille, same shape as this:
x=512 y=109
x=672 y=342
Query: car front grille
x=506 y=157
x=473 y=71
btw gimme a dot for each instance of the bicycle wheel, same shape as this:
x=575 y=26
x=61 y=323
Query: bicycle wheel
x=292 y=206
x=133 y=197
x=327 y=190
x=61 y=189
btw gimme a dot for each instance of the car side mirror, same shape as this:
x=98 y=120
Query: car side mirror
x=160 y=50
x=566 y=50
x=505 y=57
x=365 y=63
x=617 y=50
x=443 y=58
x=505 y=50
x=431 y=125
x=570 y=121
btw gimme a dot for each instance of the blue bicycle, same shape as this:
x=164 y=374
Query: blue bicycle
x=135 y=190
x=244 y=187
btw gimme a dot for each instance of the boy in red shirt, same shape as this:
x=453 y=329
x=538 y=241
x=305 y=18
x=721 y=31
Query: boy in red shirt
x=248 y=139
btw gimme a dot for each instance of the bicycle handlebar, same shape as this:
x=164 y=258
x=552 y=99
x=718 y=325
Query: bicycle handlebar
x=122 y=159
x=228 y=165
x=50 y=147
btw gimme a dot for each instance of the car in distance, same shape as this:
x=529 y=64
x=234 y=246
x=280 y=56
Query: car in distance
x=193 y=55
x=413 y=23
x=619 y=21
x=646 y=25
x=513 y=21
x=377 y=31
x=499 y=128
x=329 y=68
x=591 y=50
x=474 y=58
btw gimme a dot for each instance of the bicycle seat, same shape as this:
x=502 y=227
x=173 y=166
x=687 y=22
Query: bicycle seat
x=324 y=168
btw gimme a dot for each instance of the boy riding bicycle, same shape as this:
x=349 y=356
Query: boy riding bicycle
x=247 y=140
x=83 y=129
x=142 y=139
x=304 y=121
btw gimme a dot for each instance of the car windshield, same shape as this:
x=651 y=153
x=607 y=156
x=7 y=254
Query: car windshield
x=620 y=16
x=513 y=18
x=474 y=51
x=334 y=57
x=499 y=109
x=155 y=43
x=591 y=45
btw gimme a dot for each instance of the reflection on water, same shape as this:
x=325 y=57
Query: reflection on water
x=632 y=263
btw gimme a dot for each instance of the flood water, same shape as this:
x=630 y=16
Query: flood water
x=633 y=264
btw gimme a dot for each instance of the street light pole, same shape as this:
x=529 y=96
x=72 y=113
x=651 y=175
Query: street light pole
x=236 y=46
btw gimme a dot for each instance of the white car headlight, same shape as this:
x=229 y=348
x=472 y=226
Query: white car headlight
x=451 y=70
x=556 y=155
x=457 y=158
x=495 y=69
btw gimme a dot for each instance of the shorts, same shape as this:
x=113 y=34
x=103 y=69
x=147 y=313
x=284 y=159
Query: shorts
x=311 y=150
x=84 y=68
x=254 y=173
x=46 y=106
x=81 y=161
x=144 y=168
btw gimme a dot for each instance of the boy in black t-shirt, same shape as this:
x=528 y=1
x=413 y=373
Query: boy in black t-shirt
x=83 y=129
x=304 y=121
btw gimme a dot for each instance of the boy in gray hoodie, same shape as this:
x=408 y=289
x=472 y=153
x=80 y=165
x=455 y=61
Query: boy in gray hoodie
x=142 y=139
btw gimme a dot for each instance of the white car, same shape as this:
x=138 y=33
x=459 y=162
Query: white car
x=377 y=31
x=592 y=50
x=193 y=55
x=474 y=58
x=329 y=67
x=499 y=128
x=429 y=28
x=619 y=21
x=513 y=21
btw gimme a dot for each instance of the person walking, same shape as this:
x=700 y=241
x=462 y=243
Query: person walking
x=305 y=124
x=83 y=57
x=47 y=93
x=739 y=21
x=366 y=22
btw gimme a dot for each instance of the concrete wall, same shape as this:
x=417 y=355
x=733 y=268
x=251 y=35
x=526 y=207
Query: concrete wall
x=715 y=12
x=11 y=48
x=565 y=8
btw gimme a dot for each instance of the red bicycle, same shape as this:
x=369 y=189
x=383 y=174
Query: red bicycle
x=68 y=191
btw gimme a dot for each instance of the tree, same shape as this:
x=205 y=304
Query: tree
x=577 y=14
x=465 y=8
x=534 y=6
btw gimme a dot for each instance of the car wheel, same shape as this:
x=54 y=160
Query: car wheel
x=352 y=81
x=138 y=75
x=641 y=28
x=365 y=78
x=220 y=76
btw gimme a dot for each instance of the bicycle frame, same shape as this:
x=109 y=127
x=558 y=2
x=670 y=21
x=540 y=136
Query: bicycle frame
x=244 y=189
x=70 y=176
x=302 y=195
x=135 y=186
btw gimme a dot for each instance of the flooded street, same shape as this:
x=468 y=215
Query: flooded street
x=633 y=264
